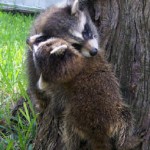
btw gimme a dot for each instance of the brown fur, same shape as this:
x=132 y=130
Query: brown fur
x=61 y=23
x=88 y=92
x=53 y=22
x=83 y=92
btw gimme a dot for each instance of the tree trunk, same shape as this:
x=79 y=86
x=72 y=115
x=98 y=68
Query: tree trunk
x=124 y=29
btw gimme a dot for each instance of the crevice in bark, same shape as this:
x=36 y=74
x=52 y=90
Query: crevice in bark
x=127 y=44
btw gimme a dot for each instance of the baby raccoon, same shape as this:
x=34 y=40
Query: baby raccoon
x=69 y=23
x=86 y=86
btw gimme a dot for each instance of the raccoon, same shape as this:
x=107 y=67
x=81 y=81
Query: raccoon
x=69 y=23
x=63 y=72
x=93 y=106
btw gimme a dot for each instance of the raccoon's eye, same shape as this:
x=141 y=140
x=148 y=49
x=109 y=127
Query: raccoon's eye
x=87 y=33
x=95 y=36
x=77 y=46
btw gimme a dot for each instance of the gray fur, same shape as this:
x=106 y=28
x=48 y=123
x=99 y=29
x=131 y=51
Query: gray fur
x=58 y=22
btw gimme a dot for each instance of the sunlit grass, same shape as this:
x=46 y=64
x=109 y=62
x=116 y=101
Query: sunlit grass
x=13 y=81
x=13 y=32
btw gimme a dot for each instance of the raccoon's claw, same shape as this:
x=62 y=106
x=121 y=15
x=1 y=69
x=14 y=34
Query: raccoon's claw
x=59 y=50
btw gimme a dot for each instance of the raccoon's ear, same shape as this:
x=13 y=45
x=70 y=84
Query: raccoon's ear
x=75 y=7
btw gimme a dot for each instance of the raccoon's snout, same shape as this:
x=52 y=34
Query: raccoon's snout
x=93 y=51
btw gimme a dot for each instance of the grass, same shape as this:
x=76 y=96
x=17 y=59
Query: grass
x=13 y=82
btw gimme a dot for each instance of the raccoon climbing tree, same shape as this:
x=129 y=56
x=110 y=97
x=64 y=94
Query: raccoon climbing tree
x=124 y=31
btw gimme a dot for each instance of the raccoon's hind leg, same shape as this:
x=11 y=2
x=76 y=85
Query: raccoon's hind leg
x=70 y=137
x=75 y=139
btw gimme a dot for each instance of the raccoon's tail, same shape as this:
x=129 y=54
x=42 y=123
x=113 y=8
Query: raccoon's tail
x=126 y=127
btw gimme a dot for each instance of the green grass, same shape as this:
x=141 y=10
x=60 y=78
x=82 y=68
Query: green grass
x=13 y=82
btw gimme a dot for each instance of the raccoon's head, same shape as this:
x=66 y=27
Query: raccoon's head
x=85 y=37
x=73 y=25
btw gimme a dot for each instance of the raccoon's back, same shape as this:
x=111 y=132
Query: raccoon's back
x=97 y=103
x=41 y=20
x=54 y=22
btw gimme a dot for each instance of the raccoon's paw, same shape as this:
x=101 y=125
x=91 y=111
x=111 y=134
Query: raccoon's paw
x=59 y=50
x=41 y=44
x=55 y=46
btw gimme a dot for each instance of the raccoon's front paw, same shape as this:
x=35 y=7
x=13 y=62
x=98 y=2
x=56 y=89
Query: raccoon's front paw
x=50 y=54
x=59 y=50
x=40 y=43
x=55 y=59
x=58 y=46
x=53 y=46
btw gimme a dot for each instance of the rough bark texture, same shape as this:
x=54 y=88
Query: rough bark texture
x=124 y=29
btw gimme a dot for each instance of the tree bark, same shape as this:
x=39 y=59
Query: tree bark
x=124 y=30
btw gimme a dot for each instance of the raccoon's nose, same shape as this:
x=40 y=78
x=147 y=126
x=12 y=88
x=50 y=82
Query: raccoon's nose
x=93 y=52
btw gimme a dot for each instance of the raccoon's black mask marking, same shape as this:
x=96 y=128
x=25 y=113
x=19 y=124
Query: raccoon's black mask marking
x=77 y=46
x=87 y=32
x=41 y=39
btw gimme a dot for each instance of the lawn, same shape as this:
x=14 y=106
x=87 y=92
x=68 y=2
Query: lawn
x=14 y=29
